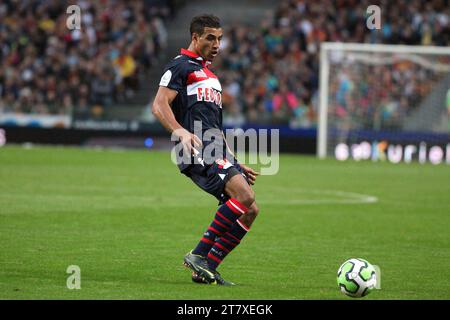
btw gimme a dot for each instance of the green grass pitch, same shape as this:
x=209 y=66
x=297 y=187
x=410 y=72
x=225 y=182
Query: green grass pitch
x=127 y=218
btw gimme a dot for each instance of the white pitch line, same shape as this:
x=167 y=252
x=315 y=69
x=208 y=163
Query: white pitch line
x=344 y=197
x=106 y=202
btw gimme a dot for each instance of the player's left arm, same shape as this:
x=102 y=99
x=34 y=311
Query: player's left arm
x=249 y=172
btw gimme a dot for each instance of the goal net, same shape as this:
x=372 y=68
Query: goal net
x=384 y=102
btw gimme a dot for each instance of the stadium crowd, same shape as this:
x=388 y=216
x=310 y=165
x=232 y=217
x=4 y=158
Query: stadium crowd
x=357 y=98
x=270 y=74
x=46 y=68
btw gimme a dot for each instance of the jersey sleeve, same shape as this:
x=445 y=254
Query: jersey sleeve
x=174 y=77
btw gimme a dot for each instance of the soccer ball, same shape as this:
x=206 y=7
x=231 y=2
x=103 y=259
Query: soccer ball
x=356 y=278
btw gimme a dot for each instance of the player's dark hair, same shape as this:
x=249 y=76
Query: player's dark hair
x=199 y=23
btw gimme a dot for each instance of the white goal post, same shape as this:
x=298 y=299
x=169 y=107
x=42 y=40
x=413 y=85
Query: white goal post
x=368 y=66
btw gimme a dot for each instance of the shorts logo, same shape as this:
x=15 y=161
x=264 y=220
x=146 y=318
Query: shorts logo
x=223 y=163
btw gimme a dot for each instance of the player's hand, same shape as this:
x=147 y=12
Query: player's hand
x=188 y=140
x=250 y=173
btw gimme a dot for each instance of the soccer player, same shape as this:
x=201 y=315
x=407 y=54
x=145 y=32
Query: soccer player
x=190 y=93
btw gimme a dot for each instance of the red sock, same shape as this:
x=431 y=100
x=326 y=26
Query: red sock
x=224 y=220
x=226 y=244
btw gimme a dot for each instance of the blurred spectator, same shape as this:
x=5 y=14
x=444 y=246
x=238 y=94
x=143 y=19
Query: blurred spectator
x=357 y=98
x=276 y=66
x=102 y=89
x=269 y=73
x=46 y=68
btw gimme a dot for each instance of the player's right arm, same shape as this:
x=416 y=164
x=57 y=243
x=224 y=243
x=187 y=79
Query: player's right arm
x=163 y=112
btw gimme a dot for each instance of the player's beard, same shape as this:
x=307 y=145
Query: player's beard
x=209 y=54
x=213 y=54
